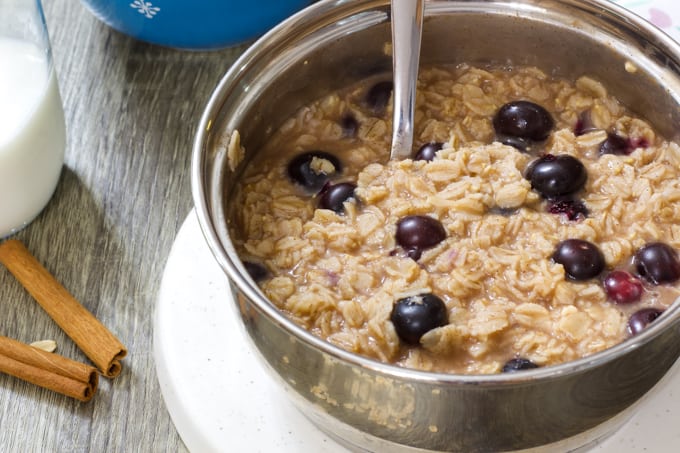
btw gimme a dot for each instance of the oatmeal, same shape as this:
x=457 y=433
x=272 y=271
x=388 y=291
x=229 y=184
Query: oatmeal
x=535 y=223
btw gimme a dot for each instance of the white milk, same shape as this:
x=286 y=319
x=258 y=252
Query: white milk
x=32 y=133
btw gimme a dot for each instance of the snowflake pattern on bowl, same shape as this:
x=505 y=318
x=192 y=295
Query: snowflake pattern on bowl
x=145 y=8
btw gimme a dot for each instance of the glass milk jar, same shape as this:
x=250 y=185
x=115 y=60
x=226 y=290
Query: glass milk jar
x=32 y=129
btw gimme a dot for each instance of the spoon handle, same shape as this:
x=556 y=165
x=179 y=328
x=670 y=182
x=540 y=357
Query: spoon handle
x=407 y=27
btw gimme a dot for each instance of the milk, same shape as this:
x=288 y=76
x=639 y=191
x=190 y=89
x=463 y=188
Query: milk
x=32 y=133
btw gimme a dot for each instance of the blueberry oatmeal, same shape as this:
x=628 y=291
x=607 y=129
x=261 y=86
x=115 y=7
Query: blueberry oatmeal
x=535 y=223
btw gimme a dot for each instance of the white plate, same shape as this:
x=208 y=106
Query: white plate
x=222 y=399
x=218 y=395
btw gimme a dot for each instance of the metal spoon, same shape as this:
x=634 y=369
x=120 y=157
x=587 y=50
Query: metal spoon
x=407 y=28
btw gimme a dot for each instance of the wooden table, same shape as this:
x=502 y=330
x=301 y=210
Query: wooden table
x=131 y=112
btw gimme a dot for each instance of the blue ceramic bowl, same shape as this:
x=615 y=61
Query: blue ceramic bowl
x=187 y=24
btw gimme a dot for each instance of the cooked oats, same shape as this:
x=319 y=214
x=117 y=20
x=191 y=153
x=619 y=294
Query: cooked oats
x=340 y=274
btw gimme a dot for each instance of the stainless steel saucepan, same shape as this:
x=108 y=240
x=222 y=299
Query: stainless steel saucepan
x=379 y=407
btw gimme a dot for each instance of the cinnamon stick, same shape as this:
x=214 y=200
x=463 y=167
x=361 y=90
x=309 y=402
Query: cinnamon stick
x=95 y=340
x=47 y=369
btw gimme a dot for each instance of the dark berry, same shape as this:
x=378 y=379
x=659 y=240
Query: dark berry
x=378 y=96
x=414 y=316
x=657 y=263
x=637 y=142
x=519 y=143
x=256 y=271
x=349 y=125
x=639 y=320
x=622 y=287
x=581 y=259
x=615 y=144
x=416 y=233
x=313 y=169
x=572 y=209
x=555 y=176
x=414 y=253
x=428 y=151
x=584 y=124
x=523 y=119
x=334 y=196
x=518 y=364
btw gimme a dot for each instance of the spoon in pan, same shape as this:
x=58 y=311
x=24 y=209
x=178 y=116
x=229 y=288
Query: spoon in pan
x=407 y=28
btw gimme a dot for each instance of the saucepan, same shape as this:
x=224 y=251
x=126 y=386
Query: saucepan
x=377 y=406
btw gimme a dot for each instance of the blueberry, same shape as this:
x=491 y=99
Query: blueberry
x=519 y=143
x=414 y=316
x=313 y=169
x=518 y=364
x=523 y=119
x=581 y=259
x=349 y=125
x=334 y=196
x=639 y=320
x=615 y=144
x=572 y=209
x=378 y=96
x=622 y=287
x=637 y=142
x=555 y=176
x=428 y=151
x=414 y=253
x=657 y=263
x=584 y=124
x=256 y=271
x=416 y=233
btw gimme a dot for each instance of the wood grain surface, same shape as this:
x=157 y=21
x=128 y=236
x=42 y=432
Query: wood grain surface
x=131 y=111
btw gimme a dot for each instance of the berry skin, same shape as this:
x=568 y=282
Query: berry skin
x=334 y=196
x=584 y=124
x=614 y=144
x=557 y=176
x=518 y=364
x=519 y=143
x=639 y=320
x=313 y=169
x=523 y=119
x=428 y=151
x=416 y=233
x=582 y=260
x=256 y=271
x=622 y=287
x=350 y=125
x=572 y=209
x=657 y=263
x=378 y=96
x=414 y=316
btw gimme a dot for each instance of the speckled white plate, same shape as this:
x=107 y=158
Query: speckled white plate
x=221 y=398
x=218 y=395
